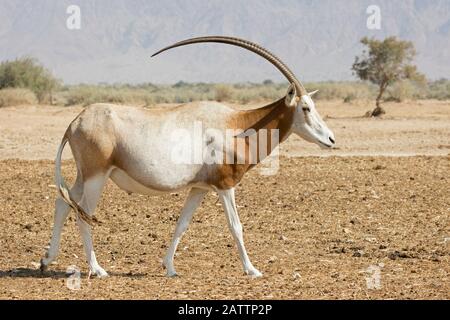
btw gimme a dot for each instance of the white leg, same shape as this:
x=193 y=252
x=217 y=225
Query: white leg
x=193 y=200
x=92 y=190
x=229 y=205
x=62 y=210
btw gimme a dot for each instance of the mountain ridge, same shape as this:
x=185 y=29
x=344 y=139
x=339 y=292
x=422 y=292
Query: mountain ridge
x=317 y=39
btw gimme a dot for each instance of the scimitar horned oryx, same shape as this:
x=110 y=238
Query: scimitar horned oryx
x=133 y=147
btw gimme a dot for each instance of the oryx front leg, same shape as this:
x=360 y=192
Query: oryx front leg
x=229 y=205
x=193 y=200
x=92 y=190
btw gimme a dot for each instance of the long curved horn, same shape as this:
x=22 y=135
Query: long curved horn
x=253 y=47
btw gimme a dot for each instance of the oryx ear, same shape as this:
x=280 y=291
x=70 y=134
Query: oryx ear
x=312 y=93
x=291 y=99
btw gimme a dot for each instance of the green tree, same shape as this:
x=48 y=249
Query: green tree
x=385 y=62
x=28 y=73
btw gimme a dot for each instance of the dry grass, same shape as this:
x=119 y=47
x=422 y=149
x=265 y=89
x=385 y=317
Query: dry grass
x=242 y=93
x=223 y=93
x=16 y=96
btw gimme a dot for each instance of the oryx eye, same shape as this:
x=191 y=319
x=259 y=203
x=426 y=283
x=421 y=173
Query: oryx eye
x=306 y=108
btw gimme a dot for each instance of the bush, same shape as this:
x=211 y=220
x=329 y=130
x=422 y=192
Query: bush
x=243 y=93
x=439 y=89
x=28 y=73
x=223 y=93
x=150 y=94
x=402 y=91
x=349 y=98
x=14 y=97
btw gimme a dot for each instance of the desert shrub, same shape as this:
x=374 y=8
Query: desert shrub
x=244 y=98
x=79 y=95
x=85 y=95
x=348 y=91
x=181 y=84
x=406 y=90
x=439 y=89
x=349 y=98
x=16 y=96
x=183 y=92
x=28 y=73
x=223 y=93
x=244 y=93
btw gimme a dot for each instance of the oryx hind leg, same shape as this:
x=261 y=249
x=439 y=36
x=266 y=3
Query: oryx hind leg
x=62 y=210
x=92 y=190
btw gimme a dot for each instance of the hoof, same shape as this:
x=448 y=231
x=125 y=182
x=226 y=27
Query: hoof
x=253 y=273
x=43 y=266
x=99 y=272
x=171 y=274
x=170 y=271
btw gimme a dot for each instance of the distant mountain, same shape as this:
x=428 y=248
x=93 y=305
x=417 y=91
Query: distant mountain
x=317 y=39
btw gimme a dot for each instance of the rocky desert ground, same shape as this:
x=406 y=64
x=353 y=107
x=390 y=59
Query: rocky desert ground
x=367 y=220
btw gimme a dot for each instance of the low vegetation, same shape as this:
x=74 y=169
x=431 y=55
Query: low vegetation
x=28 y=73
x=16 y=96
x=244 y=93
x=25 y=81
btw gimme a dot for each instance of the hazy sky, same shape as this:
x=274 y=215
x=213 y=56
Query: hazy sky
x=112 y=40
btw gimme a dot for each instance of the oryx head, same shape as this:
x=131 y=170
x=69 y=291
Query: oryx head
x=307 y=122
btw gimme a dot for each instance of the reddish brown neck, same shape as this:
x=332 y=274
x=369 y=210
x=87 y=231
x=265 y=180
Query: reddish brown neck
x=275 y=116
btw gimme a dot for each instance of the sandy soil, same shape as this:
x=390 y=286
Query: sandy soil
x=317 y=229
x=313 y=230
x=410 y=128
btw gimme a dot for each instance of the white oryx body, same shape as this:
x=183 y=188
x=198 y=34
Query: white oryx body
x=146 y=137
x=137 y=149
